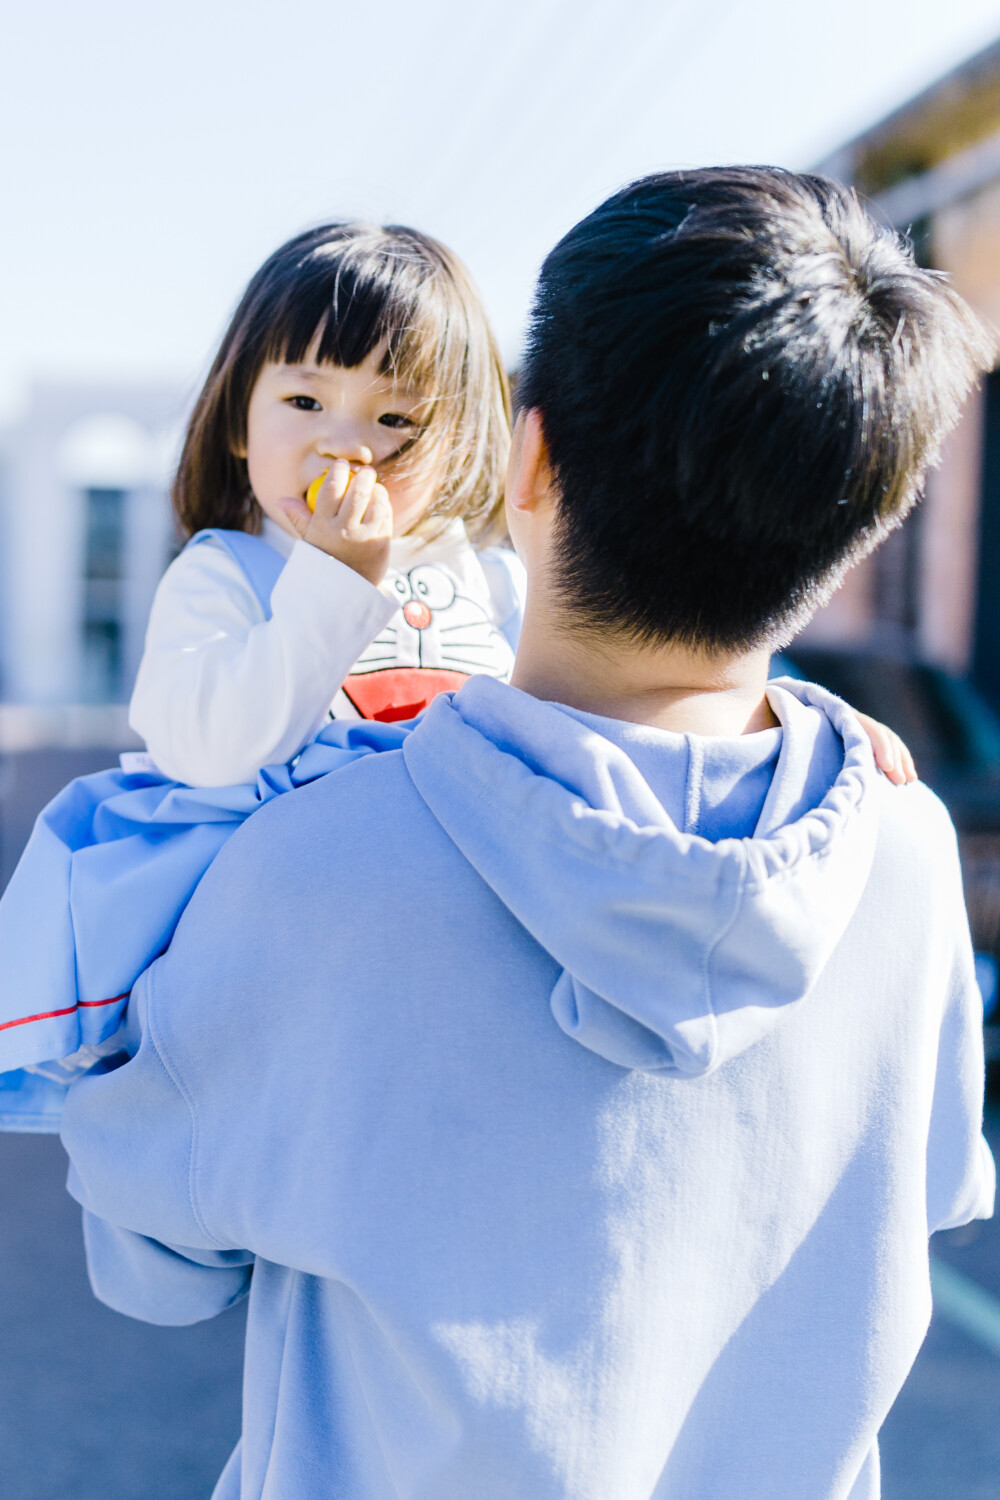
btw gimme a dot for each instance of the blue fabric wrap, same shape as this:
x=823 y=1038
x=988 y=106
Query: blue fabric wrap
x=110 y=865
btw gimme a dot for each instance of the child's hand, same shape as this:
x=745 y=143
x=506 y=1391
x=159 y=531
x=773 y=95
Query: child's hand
x=352 y=520
x=891 y=755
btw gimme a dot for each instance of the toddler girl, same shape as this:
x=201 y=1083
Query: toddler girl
x=364 y=354
x=354 y=424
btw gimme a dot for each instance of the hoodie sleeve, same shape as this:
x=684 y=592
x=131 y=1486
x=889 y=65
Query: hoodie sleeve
x=129 y=1133
x=961 y=1177
x=165 y=1284
x=170 y=1144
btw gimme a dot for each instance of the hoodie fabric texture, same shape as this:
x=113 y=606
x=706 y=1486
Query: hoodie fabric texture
x=563 y=1150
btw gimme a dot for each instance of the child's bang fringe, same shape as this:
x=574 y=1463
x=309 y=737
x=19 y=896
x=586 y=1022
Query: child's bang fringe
x=356 y=303
x=347 y=327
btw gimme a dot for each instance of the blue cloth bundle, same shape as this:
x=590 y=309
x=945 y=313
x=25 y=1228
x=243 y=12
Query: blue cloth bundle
x=111 y=864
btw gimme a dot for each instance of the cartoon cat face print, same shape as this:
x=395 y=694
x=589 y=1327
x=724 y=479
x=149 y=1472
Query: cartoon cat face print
x=438 y=627
x=437 y=639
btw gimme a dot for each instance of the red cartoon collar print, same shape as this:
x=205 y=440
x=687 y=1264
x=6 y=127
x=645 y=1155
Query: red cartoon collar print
x=437 y=640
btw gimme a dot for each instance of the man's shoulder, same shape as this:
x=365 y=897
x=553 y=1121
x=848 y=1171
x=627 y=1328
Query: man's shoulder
x=349 y=824
x=915 y=812
x=917 y=838
x=370 y=791
x=334 y=843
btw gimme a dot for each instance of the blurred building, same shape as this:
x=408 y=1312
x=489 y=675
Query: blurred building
x=85 y=533
x=932 y=593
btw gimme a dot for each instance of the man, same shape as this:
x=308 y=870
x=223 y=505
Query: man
x=583 y=1079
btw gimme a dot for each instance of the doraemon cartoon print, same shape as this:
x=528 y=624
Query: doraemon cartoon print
x=438 y=638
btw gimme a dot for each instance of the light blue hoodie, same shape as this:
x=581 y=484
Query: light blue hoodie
x=582 y=1157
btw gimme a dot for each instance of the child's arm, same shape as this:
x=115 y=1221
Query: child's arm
x=891 y=755
x=220 y=690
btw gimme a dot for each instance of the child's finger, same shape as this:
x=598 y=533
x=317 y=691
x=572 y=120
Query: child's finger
x=378 y=516
x=333 y=489
x=903 y=768
x=890 y=757
x=356 y=498
x=887 y=748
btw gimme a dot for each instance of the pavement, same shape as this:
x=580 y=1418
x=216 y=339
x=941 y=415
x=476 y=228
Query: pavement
x=95 y=1406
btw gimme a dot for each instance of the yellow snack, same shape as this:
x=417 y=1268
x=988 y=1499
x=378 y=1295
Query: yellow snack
x=313 y=491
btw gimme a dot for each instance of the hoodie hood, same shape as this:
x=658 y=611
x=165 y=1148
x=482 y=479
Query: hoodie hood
x=677 y=953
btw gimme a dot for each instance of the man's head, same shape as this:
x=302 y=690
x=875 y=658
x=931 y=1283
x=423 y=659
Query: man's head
x=740 y=379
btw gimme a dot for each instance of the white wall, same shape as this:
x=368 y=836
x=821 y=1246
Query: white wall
x=76 y=437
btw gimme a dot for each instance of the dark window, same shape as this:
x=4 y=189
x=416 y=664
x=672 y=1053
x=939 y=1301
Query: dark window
x=103 y=571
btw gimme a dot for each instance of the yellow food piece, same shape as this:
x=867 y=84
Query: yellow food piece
x=313 y=491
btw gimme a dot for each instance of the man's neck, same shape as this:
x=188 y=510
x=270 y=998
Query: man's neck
x=667 y=687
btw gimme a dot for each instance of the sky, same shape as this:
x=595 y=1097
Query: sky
x=153 y=154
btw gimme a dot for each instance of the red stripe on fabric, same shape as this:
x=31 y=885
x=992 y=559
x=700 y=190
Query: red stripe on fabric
x=45 y=1015
x=50 y=1015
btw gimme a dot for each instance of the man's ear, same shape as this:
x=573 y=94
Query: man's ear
x=530 y=482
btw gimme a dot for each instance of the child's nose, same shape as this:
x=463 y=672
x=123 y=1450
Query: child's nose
x=344 y=446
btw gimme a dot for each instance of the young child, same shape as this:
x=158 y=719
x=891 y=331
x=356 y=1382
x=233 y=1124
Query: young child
x=355 y=420
x=364 y=354
x=354 y=423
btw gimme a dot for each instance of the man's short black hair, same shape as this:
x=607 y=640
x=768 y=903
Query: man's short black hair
x=742 y=378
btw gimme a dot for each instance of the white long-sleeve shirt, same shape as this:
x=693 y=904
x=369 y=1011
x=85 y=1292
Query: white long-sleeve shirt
x=223 y=690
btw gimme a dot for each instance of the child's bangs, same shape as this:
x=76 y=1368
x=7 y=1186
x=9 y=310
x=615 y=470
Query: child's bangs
x=352 y=297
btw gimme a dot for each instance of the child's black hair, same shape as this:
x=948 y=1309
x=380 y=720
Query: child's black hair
x=346 y=289
x=742 y=378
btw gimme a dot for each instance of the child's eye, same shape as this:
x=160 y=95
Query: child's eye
x=304 y=403
x=397 y=420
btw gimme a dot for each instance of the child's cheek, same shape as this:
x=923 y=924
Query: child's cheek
x=409 y=499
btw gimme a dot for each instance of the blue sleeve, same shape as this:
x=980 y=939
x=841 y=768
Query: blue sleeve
x=176 y=1143
x=187 y=1142
x=128 y=1132
x=158 y=1283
